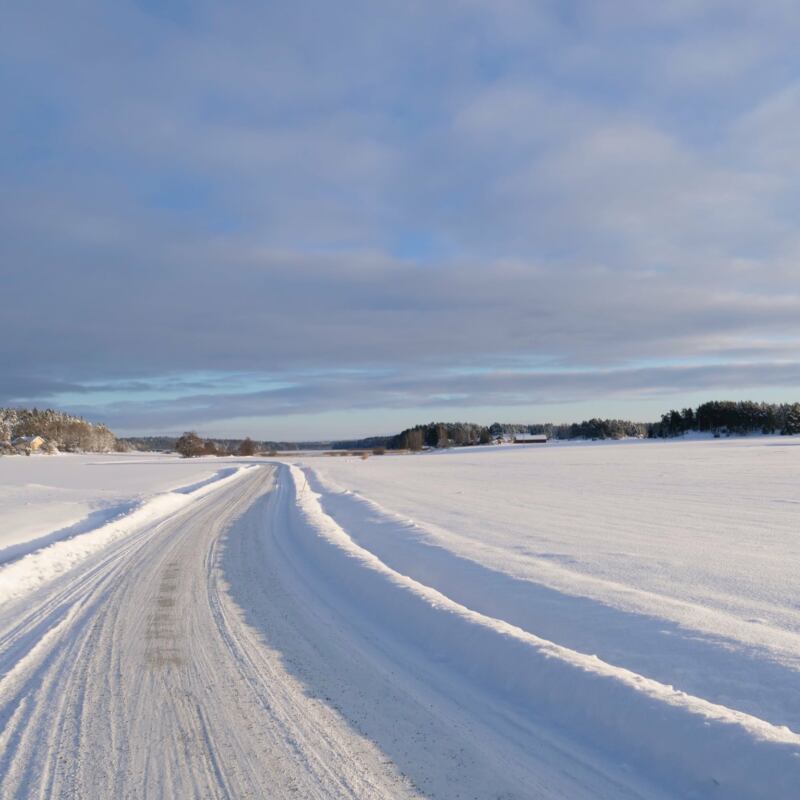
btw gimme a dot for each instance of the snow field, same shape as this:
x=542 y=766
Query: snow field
x=683 y=741
x=676 y=560
x=41 y=496
x=610 y=620
x=27 y=564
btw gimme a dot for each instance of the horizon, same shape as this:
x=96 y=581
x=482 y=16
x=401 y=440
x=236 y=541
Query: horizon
x=328 y=222
x=205 y=434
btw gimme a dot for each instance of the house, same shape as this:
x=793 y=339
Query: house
x=33 y=443
x=530 y=438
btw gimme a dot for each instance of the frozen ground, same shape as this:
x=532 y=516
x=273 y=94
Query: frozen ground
x=611 y=621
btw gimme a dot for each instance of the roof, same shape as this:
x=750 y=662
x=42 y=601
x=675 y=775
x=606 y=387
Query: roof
x=530 y=437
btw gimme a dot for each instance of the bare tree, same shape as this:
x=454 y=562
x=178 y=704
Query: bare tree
x=189 y=445
x=247 y=447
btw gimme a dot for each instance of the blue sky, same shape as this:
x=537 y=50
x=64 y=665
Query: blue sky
x=310 y=219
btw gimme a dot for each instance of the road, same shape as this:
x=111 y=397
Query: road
x=196 y=659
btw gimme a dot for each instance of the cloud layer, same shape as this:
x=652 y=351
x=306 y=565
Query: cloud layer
x=395 y=205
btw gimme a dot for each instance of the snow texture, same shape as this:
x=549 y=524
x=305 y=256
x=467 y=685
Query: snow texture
x=598 y=621
x=689 y=743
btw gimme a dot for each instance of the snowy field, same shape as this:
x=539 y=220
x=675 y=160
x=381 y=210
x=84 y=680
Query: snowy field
x=597 y=620
x=677 y=560
x=82 y=502
x=53 y=496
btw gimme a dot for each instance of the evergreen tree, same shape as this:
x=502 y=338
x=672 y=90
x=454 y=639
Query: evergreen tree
x=791 y=424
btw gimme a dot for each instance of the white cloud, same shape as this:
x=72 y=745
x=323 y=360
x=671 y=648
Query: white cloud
x=407 y=185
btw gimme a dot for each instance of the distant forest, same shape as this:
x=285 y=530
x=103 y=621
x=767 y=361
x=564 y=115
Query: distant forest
x=59 y=430
x=64 y=432
x=719 y=417
x=227 y=446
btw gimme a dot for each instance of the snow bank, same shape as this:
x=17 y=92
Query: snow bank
x=47 y=498
x=697 y=747
x=34 y=567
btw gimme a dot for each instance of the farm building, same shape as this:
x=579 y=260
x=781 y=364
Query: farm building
x=33 y=443
x=530 y=438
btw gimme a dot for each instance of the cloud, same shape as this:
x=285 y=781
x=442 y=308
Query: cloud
x=398 y=189
x=431 y=391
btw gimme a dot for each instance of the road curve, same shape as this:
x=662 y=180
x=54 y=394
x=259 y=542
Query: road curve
x=195 y=658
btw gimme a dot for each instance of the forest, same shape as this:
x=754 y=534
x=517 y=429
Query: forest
x=725 y=416
x=719 y=417
x=65 y=432
x=61 y=431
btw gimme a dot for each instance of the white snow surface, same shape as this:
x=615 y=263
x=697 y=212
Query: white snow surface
x=678 y=560
x=598 y=621
x=44 y=498
x=27 y=563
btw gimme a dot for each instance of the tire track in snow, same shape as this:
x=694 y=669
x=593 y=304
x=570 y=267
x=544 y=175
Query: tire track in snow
x=195 y=658
x=122 y=682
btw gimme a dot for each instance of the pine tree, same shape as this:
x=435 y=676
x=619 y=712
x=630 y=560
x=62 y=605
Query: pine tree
x=791 y=423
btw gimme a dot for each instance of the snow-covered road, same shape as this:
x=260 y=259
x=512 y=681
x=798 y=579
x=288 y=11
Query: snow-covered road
x=189 y=660
x=137 y=676
x=243 y=645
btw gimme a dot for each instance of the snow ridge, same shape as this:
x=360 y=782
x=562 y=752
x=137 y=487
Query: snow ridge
x=682 y=741
x=31 y=564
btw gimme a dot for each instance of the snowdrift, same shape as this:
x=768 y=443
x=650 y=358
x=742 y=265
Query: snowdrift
x=28 y=565
x=684 y=742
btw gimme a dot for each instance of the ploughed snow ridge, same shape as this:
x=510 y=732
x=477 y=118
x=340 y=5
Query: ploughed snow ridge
x=26 y=565
x=684 y=741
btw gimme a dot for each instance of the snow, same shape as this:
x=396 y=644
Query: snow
x=39 y=537
x=42 y=495
x=656 y=556
x=608 y=620
x=684 y=741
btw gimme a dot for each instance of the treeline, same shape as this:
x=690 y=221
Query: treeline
x=719 y=417
x=59 y=430
x=368 y=443
x=727 y=416
x=440 y=434
x=224 y=446
x=588 y=429
x=191 y=445
x=460 y=434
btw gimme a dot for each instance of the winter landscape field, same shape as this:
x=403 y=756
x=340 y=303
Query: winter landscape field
x=580 y=620
x=400 y=400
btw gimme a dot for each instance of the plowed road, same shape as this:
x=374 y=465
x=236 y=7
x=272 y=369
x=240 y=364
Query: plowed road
x=196 y=659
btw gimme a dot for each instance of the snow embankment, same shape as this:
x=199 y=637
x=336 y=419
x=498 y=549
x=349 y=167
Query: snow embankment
x=684 y=742
x=27 y=565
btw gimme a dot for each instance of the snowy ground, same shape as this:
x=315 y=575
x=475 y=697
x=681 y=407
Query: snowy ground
x=53 y=496
x=582 y=621
x=678 y=560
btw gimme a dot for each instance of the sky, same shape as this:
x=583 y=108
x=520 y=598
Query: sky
x=316 y=220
